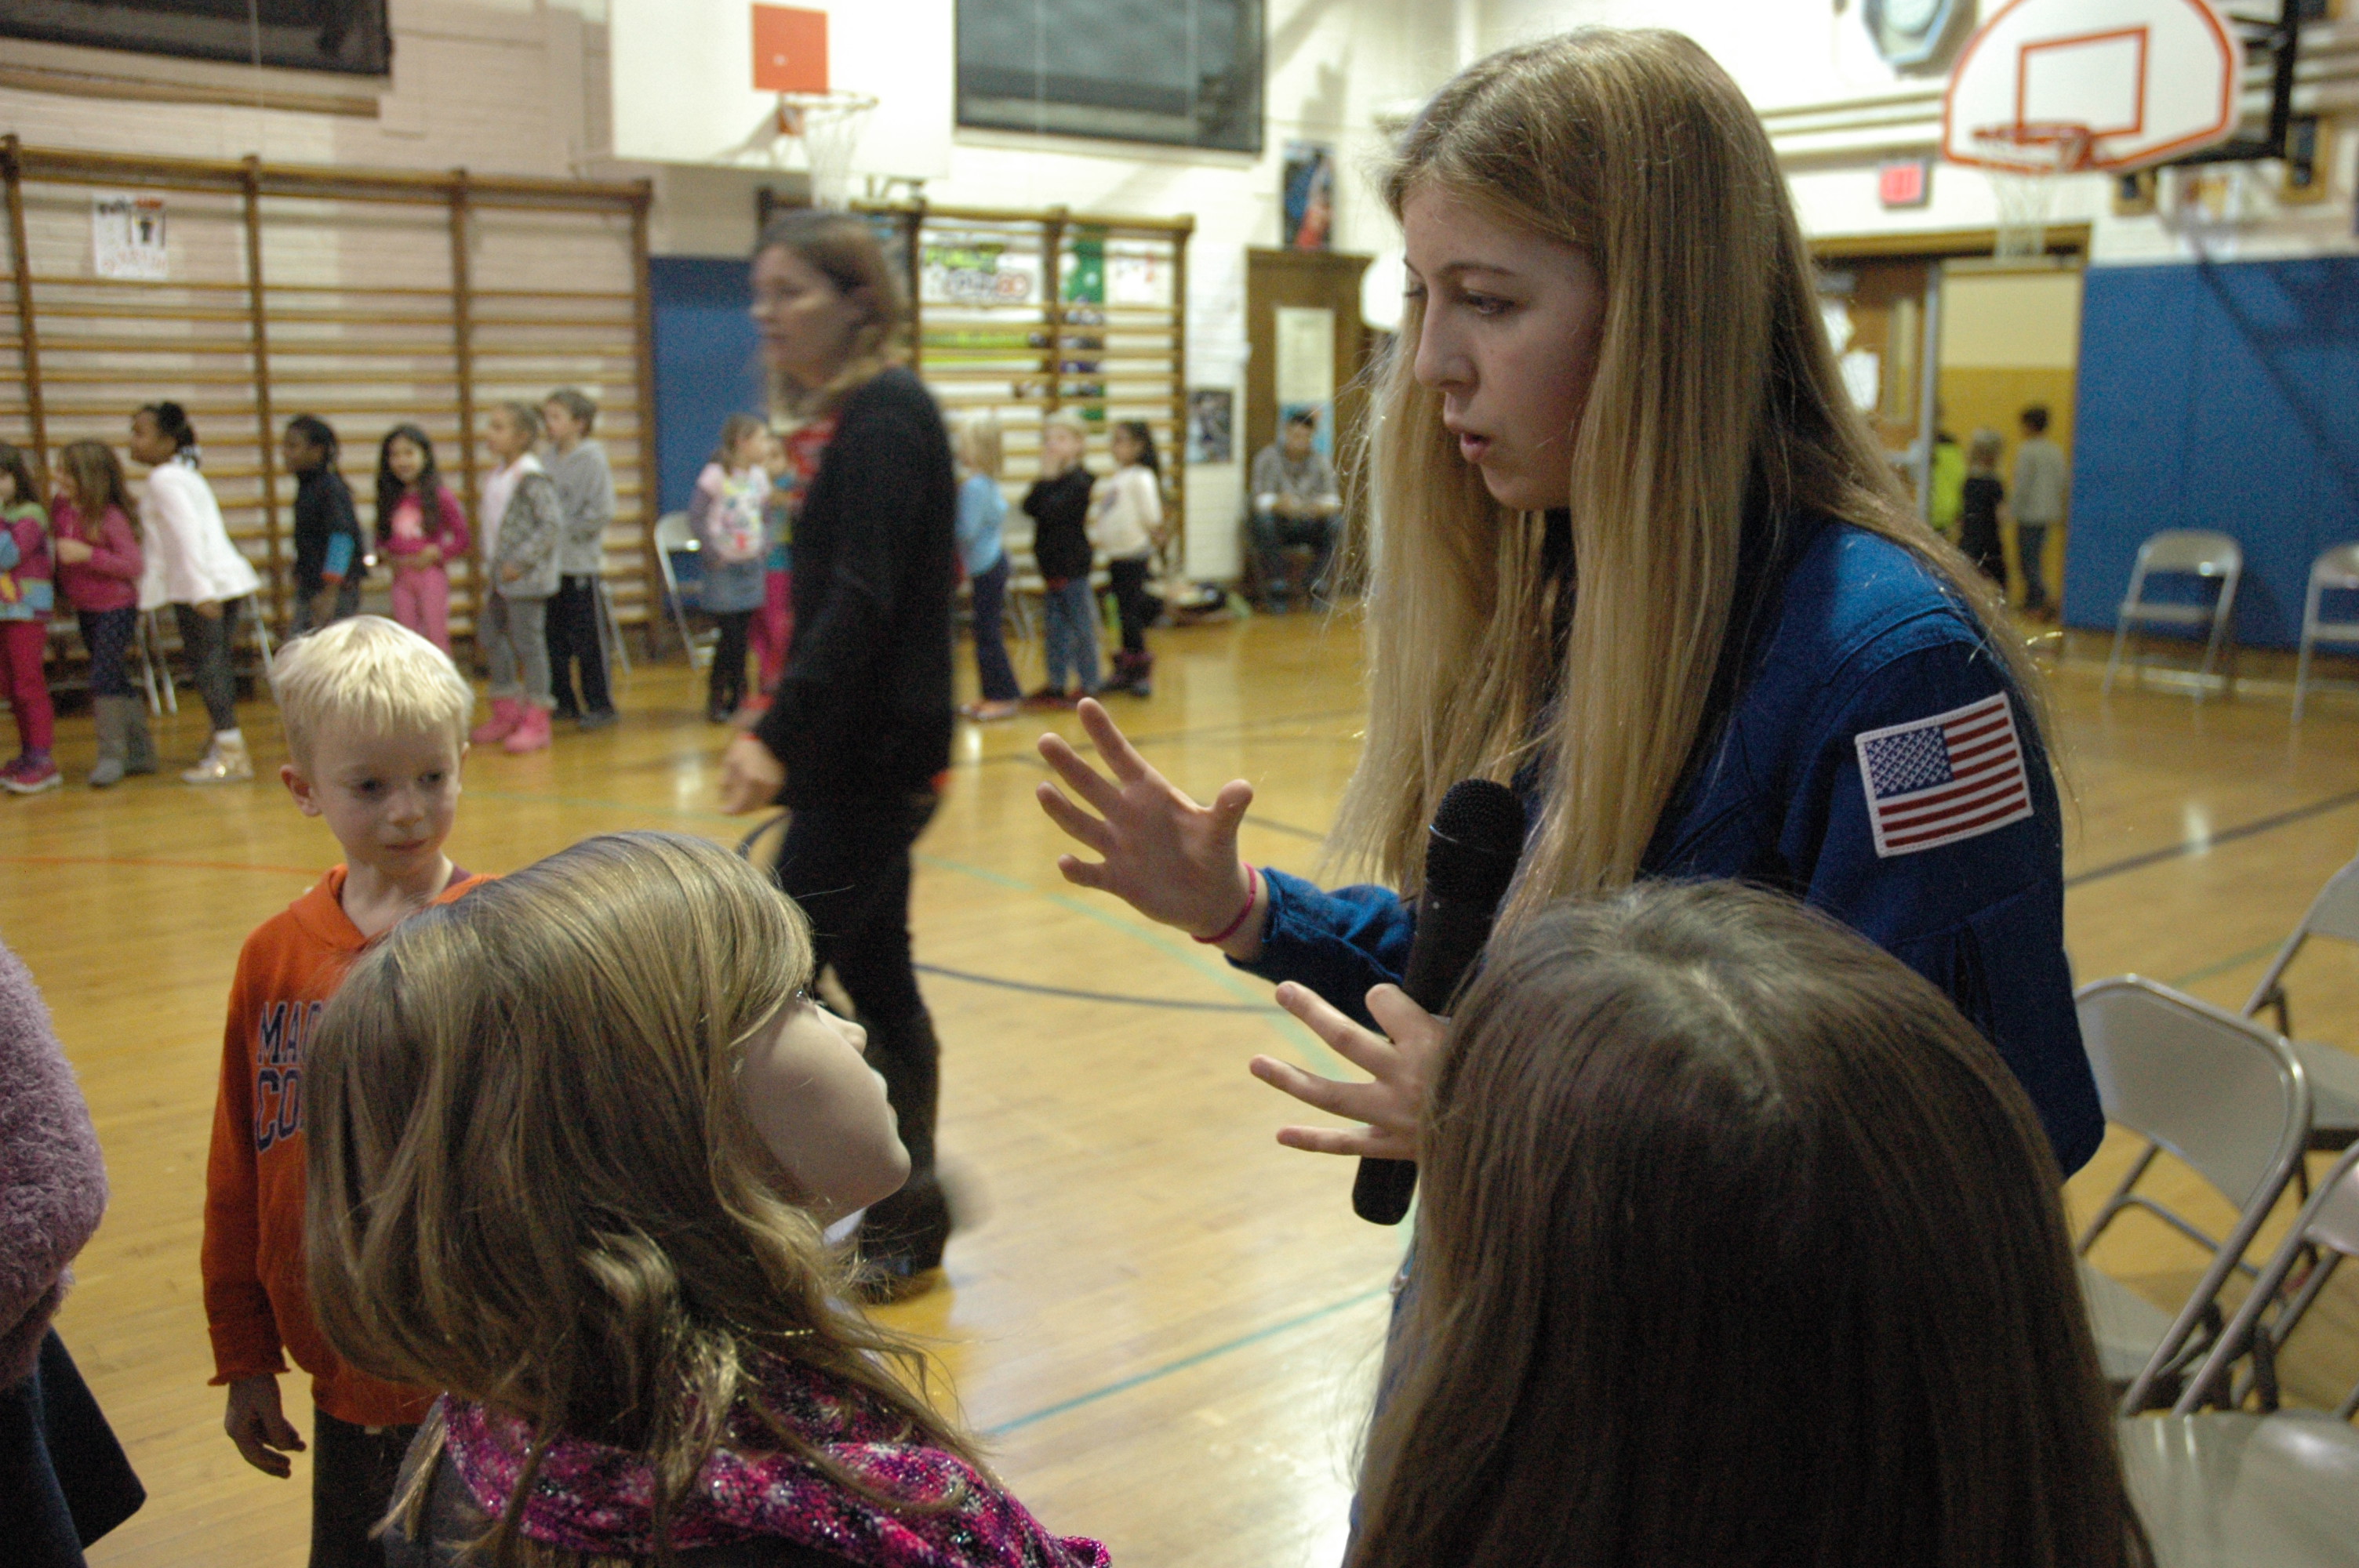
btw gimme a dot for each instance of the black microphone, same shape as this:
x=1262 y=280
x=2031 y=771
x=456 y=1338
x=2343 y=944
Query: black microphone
x=1471 y=852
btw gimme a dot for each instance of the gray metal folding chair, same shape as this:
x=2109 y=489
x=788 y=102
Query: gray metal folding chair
x=674 y=537
x=2334 y=1072
x=2326 y=1232
x=2229 y=1100
x=2245 y=1491
x=610 y=629
x=2335 y=571
x=2180 y=552
x=154 y=673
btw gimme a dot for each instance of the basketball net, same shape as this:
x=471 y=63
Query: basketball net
x=827 y=126
x=2024 y=162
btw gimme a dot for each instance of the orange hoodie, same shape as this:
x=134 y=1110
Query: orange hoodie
x=255 y=1298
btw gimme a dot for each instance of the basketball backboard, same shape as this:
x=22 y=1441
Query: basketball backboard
x=2137 y=81
x=685 y=78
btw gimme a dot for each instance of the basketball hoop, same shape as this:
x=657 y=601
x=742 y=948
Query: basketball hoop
x=827 y=126
x=2023 y=161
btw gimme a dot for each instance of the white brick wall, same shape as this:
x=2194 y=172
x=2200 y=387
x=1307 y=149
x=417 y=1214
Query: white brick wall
x=521 y=86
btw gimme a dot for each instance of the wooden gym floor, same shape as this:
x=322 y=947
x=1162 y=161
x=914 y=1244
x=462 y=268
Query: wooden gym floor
x=1165 y=1322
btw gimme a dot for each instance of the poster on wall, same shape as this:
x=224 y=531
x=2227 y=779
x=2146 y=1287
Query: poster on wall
x=1308 y=198
x=1212 y=415
x=126 y=237
x=1306 y=370
x=1137 y=280
x=983 y=272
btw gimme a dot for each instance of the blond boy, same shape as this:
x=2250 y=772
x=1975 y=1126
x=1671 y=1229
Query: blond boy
x=377 y=725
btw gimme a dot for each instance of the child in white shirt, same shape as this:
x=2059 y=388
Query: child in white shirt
x=1126 y=527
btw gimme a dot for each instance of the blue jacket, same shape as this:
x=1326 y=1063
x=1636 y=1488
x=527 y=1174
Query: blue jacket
x=1863 y=638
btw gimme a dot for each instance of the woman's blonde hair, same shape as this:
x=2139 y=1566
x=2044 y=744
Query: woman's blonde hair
x=843 y=248
x=1715 y=397
x=977 y=442
x=1985 y=449
x=532 y=1181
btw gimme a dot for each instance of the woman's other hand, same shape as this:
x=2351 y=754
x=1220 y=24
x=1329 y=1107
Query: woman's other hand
x=751 y=776
x=1402 y=1067
x=1169 y=858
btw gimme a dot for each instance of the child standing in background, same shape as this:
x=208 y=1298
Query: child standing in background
x=330 y=561
x=793 y=462
x=26 y=594
x=1126 y=525
x=1058 y=505
x=192 y=565
x=2041 y=479
x=585 y=486
x=635 y=1007
x=377 y=722
x=1945 y=476
x=981 y=514
x=1978 y=502
x=420 y=529
x=523 y=521
x=99 y=567
x=727 y=515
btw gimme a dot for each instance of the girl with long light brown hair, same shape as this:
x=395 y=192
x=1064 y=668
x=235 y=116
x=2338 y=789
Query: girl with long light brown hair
x=1737 y=1246
x=1636 y=553
x=573 y=1141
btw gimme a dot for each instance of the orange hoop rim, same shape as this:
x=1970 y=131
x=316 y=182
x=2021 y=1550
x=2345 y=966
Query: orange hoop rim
x=2075 y=138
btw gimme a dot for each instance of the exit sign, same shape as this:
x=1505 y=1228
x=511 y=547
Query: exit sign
x=1908 y=183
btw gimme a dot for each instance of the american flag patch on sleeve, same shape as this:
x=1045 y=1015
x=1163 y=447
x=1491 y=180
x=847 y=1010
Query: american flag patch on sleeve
x=1940 y=780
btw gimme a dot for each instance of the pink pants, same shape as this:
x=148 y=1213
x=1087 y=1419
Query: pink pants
x=773 y=629
x=421 y=602
x=22 y=644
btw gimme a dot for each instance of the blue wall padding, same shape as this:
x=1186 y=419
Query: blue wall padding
x=2222 y=396
x=708 y=364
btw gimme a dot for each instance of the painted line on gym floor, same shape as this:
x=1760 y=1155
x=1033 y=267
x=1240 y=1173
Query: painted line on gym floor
x=160 y=865
x=1029 y=988
x=1274 y=825
x=2221 y=967
x=1155 y=1374
x=2210 y=841
x=1088 y=747
x=1305 y=1046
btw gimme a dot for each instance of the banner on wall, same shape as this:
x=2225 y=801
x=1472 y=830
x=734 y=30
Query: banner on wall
x=126 y=235
x=983 y=272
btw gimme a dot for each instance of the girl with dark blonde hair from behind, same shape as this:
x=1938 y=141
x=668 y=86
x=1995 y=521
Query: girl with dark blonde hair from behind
x=574 y=1142
x=1638 y=556
x=1737 y=1246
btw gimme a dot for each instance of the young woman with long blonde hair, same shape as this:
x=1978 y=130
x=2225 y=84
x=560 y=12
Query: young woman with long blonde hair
x=574 y=1142
x=1636 y=553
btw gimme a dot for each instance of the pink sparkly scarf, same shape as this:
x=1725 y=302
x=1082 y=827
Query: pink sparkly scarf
x=588 y=1496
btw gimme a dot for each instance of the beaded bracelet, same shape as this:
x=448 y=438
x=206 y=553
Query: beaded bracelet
x=1253 y=896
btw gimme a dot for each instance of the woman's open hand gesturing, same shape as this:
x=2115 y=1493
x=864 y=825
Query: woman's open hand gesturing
x=1171 y=860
